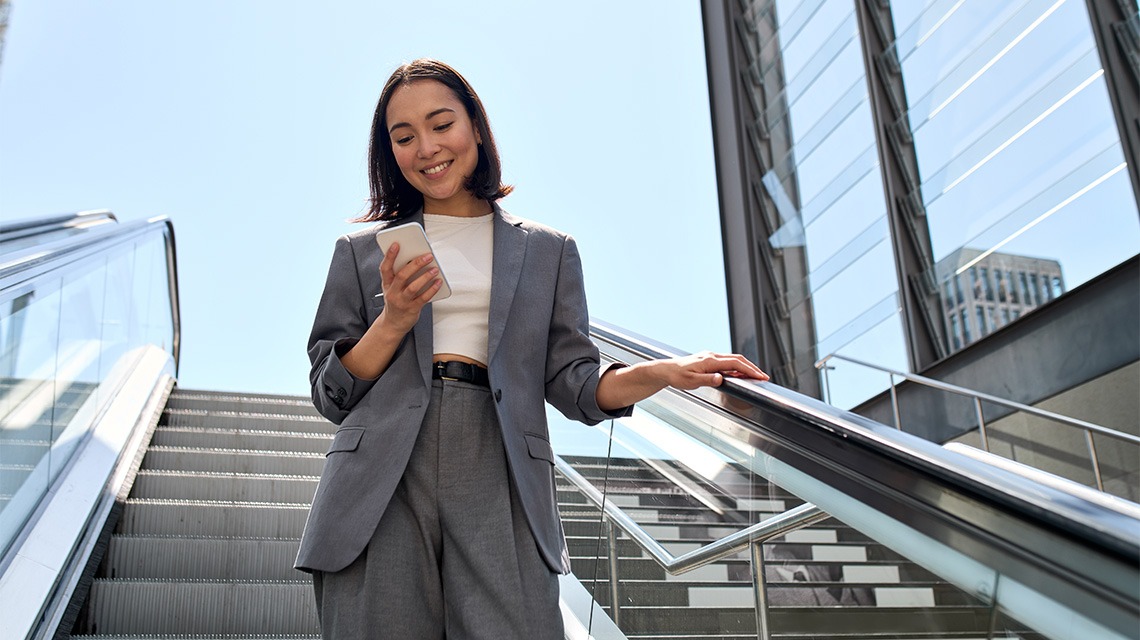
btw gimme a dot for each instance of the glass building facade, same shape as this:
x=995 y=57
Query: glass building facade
x=915 y=176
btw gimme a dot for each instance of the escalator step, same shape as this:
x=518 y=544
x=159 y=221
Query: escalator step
x=243 y=403
x=133 y=557
x=218 y=485
x=163 y=607
x=241 y=439
x=240 y=420
x=233 y=460
x=221 y=519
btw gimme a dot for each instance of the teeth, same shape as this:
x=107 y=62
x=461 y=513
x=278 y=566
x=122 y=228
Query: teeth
x=436 y=169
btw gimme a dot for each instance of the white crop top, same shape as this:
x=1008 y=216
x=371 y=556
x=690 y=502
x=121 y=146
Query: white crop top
x=463 y=247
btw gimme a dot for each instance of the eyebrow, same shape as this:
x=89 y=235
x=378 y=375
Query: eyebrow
x=429 y=117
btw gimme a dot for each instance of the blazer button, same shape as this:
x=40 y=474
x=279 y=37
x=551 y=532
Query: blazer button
x=498 y=395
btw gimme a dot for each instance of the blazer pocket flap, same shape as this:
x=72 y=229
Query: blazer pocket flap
x=539 y=448
x=346 y=439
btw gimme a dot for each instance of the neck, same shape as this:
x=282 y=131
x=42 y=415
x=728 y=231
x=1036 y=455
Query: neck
x=469 y=207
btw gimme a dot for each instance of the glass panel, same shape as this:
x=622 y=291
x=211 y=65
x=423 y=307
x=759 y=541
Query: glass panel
x=29 y=329
x=65 y=342
x=1021 y=170
x=688 y=476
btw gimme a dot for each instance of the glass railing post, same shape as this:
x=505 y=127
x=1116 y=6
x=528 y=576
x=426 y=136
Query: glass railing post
x=760 y=590
x=895 y=404
x=1095 y=462
x=615 y=600
x=981 y=424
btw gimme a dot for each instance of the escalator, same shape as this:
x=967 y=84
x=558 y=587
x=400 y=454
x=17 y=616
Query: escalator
x=739 y=512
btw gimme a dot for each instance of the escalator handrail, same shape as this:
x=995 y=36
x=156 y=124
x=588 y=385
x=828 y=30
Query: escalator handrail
x=45 y=224
x=26 y=267
x=1098 y=525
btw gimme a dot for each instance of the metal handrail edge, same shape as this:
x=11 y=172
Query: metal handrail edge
x=91 y=242
x=970 y=393
x=790 y=520
x=1013 y=491
x=56 y=222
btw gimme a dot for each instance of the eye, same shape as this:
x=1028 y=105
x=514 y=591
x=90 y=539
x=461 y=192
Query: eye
x=402 y=140
x=444 y=127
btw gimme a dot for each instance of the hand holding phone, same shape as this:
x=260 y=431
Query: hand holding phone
x=413 y=244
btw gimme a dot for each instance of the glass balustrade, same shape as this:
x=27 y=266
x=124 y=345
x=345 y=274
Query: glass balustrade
x=904 y=549
x=70 y=331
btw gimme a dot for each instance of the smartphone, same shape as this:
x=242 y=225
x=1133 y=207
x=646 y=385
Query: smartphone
x=413 y=243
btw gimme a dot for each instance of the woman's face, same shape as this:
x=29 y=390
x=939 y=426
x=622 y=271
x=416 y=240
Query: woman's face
x=435 y=144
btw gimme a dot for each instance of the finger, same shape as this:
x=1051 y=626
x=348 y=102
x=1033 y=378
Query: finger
x=389 y=261
x=422 y=282
x=430 y=291
x=413 y=267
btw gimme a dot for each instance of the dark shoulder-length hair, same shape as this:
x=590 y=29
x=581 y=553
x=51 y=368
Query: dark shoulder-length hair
x=393 y=197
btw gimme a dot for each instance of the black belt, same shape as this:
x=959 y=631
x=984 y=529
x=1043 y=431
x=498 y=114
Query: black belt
x=455 y=370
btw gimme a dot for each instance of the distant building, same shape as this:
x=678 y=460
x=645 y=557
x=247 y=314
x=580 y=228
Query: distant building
x=983 y=293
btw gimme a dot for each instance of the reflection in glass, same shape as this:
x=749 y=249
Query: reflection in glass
x=67 y=338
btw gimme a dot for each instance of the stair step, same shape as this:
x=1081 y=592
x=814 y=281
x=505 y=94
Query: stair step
x=242 y=420
x=184 y=558
x=241 y=403
x=233 y=460
x=165 y=607
x=255 y=439
x=219 y=519
x=223 y=486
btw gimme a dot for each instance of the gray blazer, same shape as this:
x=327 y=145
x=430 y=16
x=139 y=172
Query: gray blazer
x=539 y=349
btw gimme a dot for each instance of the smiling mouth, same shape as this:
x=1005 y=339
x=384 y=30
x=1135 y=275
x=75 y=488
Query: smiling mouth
x=431 y=171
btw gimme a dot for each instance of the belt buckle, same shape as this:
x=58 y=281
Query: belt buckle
x=442 y=369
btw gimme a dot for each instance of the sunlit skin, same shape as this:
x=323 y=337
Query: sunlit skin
x=437 y=148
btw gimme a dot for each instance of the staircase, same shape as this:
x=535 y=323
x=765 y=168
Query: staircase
x=206 y=541
x=825 y=582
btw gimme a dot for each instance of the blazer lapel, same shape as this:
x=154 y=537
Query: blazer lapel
x=507 y=260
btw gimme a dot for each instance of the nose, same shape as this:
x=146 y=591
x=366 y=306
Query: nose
x=427 y=148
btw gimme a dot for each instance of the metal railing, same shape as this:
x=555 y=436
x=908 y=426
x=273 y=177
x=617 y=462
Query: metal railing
x=751 y=538
x=978 y=397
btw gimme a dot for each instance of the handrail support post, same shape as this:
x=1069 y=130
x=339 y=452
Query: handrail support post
x=981 y=425
x=615 y=601
x=760 y=591
x=1095 y=461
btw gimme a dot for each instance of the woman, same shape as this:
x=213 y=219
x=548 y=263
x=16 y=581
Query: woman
x=435 y=513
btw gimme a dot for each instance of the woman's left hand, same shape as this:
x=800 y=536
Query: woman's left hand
x=624 y=386
x=707 y=369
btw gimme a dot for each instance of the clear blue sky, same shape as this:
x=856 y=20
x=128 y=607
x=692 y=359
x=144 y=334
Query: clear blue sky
x=247 y=124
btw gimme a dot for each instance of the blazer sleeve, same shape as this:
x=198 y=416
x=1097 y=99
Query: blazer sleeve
x=573 y=364
x=340 y=322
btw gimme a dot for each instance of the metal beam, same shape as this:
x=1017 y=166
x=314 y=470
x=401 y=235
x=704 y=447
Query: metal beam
x=1116 y=27
x=750 y=135
x=906 y=213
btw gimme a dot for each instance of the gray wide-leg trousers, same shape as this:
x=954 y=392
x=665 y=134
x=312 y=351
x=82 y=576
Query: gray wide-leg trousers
x=453 y=556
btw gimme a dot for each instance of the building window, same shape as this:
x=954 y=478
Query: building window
x=966 y=327
x=975 y=284
x=1058 y=287
x=1013 y=297
x=947 y=295
x=1000 y=285
x=992 y=318
x=1037 y=297
x=1026 y=299
x=1004 y=316
x=982 y=330
x=958 y=289
x=986 y=284
x=1016 y=314
x=955 y=332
